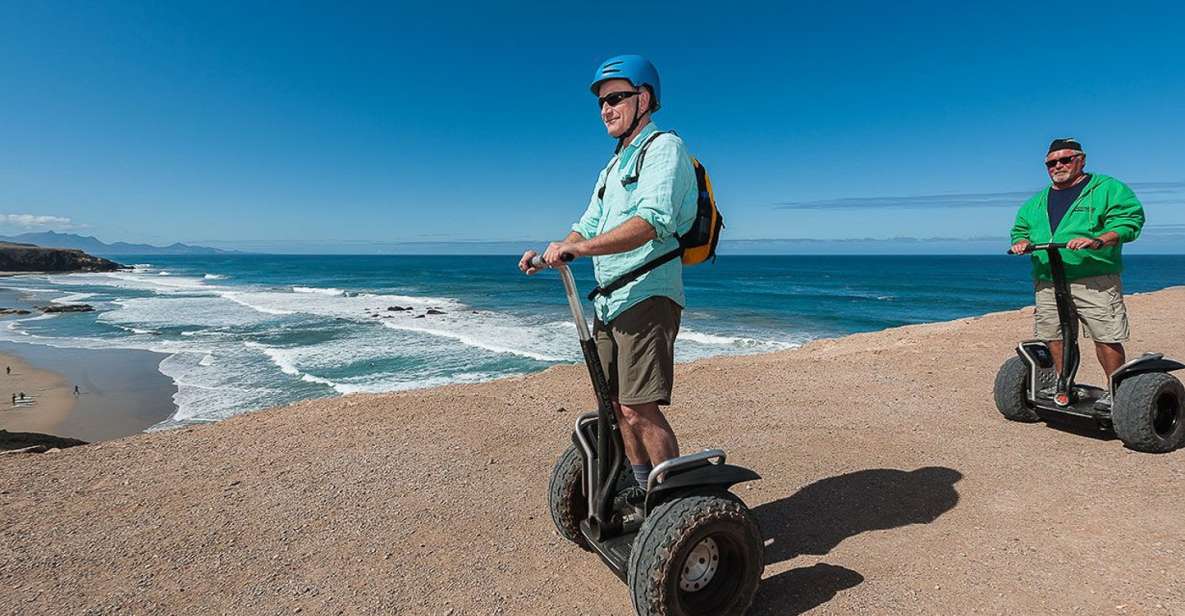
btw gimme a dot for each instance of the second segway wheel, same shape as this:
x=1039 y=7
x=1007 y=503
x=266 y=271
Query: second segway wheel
x=1011 y=391
x=697 y=555
x=1148 y=412
x=566 y=499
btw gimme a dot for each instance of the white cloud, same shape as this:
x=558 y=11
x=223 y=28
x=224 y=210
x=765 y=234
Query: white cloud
x=33 y=220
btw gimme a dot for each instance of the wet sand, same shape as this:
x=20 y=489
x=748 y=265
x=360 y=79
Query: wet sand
x=48 y=397
x=121 y=392
x=890 y=485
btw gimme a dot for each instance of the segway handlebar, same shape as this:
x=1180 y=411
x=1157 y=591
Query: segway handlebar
x=1035 y=247
x=570 y=290
x=538 y=262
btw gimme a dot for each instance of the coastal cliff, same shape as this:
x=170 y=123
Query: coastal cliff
x=890 y=485
x=32 y=258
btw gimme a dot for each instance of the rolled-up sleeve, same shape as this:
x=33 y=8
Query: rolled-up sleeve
x=587 y=225
x=663 y=181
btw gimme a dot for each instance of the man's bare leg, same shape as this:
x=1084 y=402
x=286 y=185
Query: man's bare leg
x=1055 y=349
x=635 y=450
x=651 y=430
x=1111 y=357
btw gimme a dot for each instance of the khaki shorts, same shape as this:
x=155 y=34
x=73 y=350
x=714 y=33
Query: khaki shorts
x=637 y=351
x=1099 y=303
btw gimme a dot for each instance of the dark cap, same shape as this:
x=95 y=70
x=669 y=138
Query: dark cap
x=1065 y=143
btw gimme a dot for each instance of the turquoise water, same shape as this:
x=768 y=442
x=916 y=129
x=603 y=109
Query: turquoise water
x=252 y=331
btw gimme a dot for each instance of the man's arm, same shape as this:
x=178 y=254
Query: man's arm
x=624 y=237
x=1124 y=216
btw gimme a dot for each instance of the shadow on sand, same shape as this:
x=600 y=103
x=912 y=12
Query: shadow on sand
x=821 y=515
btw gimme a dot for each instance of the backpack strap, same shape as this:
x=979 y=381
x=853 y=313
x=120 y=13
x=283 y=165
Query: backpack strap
x=633 y=177
x=633 y=274
x=629 y=276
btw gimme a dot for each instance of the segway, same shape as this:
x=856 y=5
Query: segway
x=1146 y=411
x=689 y=547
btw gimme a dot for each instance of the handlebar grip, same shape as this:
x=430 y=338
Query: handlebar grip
x=538 y=263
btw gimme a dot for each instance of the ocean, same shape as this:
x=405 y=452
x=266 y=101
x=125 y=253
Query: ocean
x=246 y=332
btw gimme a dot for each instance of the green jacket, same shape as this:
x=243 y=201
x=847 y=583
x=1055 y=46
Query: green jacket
x=1106 y=204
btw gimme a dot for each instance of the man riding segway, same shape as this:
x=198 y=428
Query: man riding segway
x=1075 y=230
x=670 y=528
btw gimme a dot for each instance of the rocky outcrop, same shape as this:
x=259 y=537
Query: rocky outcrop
x=31 y=258
x=33 y=442
x=66 y=308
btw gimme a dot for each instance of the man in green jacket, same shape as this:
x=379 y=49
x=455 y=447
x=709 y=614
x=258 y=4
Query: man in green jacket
x=1094 y=215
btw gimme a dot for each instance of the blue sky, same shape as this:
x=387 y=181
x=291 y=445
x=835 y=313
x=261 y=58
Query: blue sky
x=330 y=127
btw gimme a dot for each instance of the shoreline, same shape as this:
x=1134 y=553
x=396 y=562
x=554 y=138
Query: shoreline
x=48 y=400
x=121 y=391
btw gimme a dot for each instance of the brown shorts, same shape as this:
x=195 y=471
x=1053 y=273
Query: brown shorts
x=1099 y=303
x=637 y=351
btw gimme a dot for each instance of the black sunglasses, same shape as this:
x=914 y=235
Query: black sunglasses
x=1065 y=160
x=615 y=98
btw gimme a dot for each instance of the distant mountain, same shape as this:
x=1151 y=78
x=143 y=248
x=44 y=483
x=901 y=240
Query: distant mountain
x=86 y=243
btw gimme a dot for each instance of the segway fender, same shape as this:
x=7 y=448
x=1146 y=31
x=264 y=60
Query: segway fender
x=720 y=476
x=1152 y=362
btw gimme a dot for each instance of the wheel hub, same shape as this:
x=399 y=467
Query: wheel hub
x=700 y=566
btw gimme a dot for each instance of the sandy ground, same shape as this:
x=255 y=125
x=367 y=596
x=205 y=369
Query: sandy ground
x=49 y=397
x=891 y=486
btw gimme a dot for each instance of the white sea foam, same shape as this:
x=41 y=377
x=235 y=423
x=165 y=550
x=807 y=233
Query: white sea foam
x=214 y=277
x=490 y=331
x=319 y=291
x=71 y=298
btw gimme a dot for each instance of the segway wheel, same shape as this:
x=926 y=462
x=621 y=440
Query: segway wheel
x=566 y=498
x=1012 y=390
x=698 y=555
x=1148 y=412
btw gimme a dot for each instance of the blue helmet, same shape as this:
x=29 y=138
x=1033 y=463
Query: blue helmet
x=635 y=69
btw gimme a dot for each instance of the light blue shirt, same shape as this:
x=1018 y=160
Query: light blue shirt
x=664 y=195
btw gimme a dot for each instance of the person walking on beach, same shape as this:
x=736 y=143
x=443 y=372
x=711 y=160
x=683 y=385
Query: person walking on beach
x=638 y=206
x=1094 y=215
x=75 y=390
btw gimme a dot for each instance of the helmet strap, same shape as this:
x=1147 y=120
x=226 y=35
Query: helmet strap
x=621 y=141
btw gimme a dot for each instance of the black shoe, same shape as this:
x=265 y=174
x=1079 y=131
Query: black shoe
x=632 y=496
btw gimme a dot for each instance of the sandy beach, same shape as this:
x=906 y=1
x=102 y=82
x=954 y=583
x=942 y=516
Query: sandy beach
x=47 y=402
x=120 y=392
x=891 y=485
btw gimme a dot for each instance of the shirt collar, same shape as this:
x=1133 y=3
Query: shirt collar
x=646 y=131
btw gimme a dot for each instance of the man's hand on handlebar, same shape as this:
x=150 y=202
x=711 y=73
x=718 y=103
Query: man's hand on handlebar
x=524 y=264
x=1020 y=247
x=1085 y=243
x=555 y=250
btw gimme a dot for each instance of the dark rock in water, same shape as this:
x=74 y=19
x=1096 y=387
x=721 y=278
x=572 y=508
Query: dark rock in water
x=13 y=311
x=419 y=316
x=33 y=442
x=31 y=258
x=434 y=311
x=397 y=308
x=67 y=308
